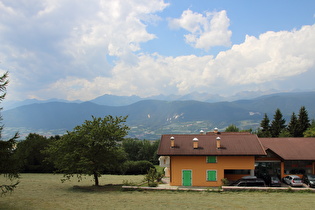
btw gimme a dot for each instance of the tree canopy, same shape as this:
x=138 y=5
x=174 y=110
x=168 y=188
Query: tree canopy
x=90 y=148
x=310 y=132
x=232 y=128
x=30 y=155
x=298 y=126
x=137 y=150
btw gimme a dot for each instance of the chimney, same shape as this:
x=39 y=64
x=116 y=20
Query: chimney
x=216 y=130
x=218 y=142
x=202 y=132
x=195 y=143
x=172 y=142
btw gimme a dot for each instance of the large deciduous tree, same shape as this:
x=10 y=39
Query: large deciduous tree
x=90 y=148
x=8 y=163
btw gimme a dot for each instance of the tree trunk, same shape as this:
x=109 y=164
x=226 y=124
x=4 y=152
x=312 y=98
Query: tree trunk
x=96 y=179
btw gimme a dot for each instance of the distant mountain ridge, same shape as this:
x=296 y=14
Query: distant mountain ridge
x=151 y=118
x=113 y=100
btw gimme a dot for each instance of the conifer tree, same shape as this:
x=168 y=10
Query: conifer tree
x=303 y=122
x=277 y=124
x=293 y=126
x=8 y=164
x=265 y=127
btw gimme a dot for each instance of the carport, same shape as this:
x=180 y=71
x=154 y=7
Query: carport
x=287 y=156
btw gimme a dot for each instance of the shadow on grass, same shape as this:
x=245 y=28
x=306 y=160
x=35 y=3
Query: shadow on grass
x=101 y=188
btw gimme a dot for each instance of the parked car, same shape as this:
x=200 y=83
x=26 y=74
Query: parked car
x=309 y=180
x=250 y=181
x=293 y=180
x=272 y=181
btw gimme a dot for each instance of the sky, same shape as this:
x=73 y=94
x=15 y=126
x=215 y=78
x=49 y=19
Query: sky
x=79 y=50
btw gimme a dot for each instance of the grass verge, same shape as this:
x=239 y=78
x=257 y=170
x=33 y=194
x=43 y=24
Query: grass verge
x=45 y=191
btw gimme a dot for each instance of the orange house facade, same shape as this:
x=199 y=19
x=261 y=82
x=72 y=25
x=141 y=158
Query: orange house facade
x=207 y=158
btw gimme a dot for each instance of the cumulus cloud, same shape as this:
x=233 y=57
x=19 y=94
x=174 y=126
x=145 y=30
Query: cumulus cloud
x=50 y=40
x=273 y=56
x=205 y=31
x=72 y=50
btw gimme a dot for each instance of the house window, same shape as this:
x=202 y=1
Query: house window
x=211 y=175
x=211 y=159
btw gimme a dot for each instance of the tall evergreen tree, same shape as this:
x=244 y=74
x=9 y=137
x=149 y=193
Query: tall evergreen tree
x=293 y=126
x=277 y=124
x=303 y=122
x=265 y=127
x=8 y=164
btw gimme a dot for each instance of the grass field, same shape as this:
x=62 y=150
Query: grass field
x=45 y=191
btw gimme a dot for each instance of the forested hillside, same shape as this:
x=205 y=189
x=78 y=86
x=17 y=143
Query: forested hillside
x=151 y=118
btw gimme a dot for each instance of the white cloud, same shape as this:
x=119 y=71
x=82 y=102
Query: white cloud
x=272 y=57
x=51 y=40
x=206 y=31
x=73 y=50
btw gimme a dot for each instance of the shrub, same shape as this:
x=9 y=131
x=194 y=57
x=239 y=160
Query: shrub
x=137 y=167
x=225 y=181
x=153 y=177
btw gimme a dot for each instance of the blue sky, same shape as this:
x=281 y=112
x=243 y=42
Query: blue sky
x=73 y=50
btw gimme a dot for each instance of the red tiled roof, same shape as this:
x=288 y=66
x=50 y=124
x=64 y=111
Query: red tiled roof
x=291 y=148
x=231 y=144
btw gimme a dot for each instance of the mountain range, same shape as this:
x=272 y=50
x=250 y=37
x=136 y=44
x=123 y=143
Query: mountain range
x=113 y=100
x=149 y=118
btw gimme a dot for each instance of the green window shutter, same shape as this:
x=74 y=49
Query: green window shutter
x=211 y=175
x=211 y=159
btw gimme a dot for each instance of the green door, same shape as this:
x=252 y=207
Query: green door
x=186 y=177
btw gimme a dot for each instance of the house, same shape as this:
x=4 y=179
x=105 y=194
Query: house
x=205 y=159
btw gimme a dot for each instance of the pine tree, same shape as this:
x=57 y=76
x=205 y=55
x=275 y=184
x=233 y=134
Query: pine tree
x=293 y=125
x=265 y=127
x=8 y=164
x=277 y=124
x=303 y=122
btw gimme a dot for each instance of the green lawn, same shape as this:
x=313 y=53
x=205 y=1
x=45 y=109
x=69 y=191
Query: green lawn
x=45 y=191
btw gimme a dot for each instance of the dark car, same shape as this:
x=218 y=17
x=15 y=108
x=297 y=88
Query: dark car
x=250 y=181
x=272 y=181
x=309 y=180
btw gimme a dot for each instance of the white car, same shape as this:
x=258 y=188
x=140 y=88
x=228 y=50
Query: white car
x=293 y=180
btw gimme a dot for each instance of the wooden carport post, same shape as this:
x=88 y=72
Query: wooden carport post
x=282 y=169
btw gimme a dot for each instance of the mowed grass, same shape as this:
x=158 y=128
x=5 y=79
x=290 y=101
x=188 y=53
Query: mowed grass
x=45 y=191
